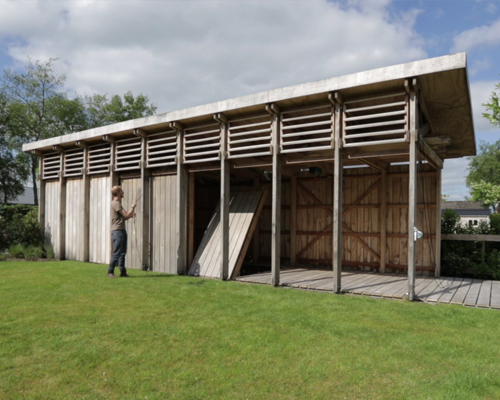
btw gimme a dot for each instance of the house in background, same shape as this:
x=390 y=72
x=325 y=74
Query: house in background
x=471 y=212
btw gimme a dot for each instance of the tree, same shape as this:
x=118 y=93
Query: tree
x=13 y=171
x=38 y=108
x=488 y=194
x=100 y=111
x=486 y=165
x=494 y=107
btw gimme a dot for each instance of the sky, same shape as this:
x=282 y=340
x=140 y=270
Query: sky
x=192 y=52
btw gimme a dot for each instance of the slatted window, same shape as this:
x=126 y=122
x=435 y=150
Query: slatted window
x=51 y=165
x=73 y=162
x=250 y=136
x=202 y=143
x=376 y=120
x=161 y=149
x=307 y=129
x=99 y=158
x=128 y=154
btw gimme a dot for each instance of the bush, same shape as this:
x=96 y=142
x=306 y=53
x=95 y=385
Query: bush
x=49 y=252
x=495 y=223
x=16 y=251
x=19 y=225
x=450 y=221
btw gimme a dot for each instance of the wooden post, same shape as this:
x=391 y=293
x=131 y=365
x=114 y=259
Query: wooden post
x=192 y=192
x=276 y=198
x=182 y=187
x=255 y=238
x=41 y=198
x=337 y=200
x=113 y=179
x=62 y=207
x=293 y=221
x=383 y=222
x=145 y=204
x=412 y=197
x=437 y=271
x=86 y=201
x=224 y=197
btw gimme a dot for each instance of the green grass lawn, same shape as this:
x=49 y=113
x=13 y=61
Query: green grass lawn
x=69 y=332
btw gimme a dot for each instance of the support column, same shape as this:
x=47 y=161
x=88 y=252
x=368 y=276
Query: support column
x=86 y=200
x=41 y=198
x=192 y=192
x=383 y=222
x=438 y=224
x=337 y=199
x=293 y=222
x=113 y=180
x=182 y=193
x=255 y=239
x=276 y=197
x=412 y=197
x=145 y=204
x=62 y=206
x=224 y=197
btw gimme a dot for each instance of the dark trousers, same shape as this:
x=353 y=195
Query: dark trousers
x=119 y=251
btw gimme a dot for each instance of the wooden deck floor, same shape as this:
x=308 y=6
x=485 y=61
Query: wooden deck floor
x=464 y=291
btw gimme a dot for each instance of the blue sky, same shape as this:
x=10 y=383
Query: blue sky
x=191 y=52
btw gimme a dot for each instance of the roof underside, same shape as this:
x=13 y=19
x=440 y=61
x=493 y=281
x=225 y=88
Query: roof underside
x=442 y=82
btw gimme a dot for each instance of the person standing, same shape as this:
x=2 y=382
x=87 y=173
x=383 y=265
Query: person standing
x=118 y=232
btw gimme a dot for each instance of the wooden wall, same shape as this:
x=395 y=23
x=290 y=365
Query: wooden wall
x=99 y=219
x=133 y=194
x=163 y=218
x=362 y=198
x=74 y=219
x=52 y=213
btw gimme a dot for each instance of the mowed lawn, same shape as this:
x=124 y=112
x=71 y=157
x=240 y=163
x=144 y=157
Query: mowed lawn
x=69 y=332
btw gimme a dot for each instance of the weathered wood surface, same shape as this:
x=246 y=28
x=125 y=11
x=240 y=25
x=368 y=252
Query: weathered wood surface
x=467 y=292
x=75 y=220
x=100 y=219
x=242 y=211
x=52 y=198
x=133 y=194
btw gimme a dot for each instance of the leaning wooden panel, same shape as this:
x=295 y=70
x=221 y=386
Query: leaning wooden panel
x=99 y=220
x=52 y=191
x=207 y=259
x=163 y=216
x=74 y=219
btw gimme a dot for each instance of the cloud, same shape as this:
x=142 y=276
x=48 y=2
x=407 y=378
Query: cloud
x=480 y=94
x=486 y=35
x=187 y=53
x=453 y=178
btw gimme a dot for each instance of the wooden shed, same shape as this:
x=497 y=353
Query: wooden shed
x=338 y=173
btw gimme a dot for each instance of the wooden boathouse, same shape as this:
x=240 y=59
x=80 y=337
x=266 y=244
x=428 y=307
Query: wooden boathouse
x=343 y=173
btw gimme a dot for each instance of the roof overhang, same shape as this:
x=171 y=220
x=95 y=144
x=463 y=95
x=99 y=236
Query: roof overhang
x=442 y=81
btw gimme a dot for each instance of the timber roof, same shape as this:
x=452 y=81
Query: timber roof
x=442 y=83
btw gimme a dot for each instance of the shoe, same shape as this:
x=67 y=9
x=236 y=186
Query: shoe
x=110 y=275
x=125 y=275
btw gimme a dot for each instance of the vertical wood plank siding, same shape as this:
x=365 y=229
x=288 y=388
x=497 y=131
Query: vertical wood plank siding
x=99 y=219
x=163 y=217
x=74 y=219
x=52 y=192
x=133 y=194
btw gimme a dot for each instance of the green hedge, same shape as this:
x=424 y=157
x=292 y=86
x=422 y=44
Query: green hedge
x=19 y=225
x=467 y=259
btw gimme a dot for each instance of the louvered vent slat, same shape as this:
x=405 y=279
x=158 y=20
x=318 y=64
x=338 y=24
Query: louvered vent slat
x=307 y=129
x=73 y=162
x=201 y=143
x=51 y=165
x=99 y=158
x=376 y=120
x=128 y=154
x=161 y=149
x=250 y=136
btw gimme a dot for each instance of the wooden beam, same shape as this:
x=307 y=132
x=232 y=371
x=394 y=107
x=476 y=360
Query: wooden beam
x=375 y=163
x=429 y=154
x=144 y=247
x=41 y=199
x=192 y=194
x=224 y=197
x=383 y=222
x=412 y=196
x=293 y=221
x=86 y=206
x=62 y=210
x=437 y=253
x=423 y=105
x=337 y=200
x=276 y=196
x=182 y=193
x=255 y=238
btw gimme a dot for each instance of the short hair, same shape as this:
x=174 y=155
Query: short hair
x=115 y=190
